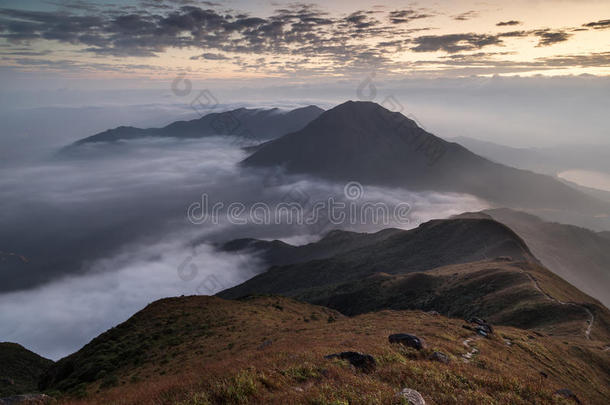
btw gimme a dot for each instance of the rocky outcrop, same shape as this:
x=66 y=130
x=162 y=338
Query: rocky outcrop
x=363 y=362
x=407 y=339
x=411 y=396
x=440 y=357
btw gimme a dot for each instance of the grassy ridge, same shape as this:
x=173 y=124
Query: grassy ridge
x=204 y=350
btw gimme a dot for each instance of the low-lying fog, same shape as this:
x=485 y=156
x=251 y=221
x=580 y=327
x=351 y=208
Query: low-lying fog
x=104 y=231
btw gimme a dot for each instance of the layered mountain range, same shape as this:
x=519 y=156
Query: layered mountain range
x=486 y=296
x=255 y=124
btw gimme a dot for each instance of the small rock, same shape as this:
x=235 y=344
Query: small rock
x=363 y=362
x=482 y=325
x=265 y=344
x=481 y=331
x=412 y=396
x=441 y=357
x=566 y=393
x=433 y=313
x=543 y=374
x=406 y=340
x=27 y=399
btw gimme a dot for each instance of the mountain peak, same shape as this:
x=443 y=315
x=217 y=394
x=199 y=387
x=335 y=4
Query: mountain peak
x=367 y=116
x=355 y=140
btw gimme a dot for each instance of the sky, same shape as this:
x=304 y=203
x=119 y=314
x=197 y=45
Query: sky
x=248 y=42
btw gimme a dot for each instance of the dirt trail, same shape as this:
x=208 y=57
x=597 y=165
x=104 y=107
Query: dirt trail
x=591 y=315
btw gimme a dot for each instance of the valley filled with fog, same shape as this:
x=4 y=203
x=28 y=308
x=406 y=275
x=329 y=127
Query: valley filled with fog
x=103 y=232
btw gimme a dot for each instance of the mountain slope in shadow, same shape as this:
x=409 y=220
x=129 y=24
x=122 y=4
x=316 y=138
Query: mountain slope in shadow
x=253 y=124
x=578 y=255
x=20 y=369
x=458 y=267
x=362 y=141
x=433 y=244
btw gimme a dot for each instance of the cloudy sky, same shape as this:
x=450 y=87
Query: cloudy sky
x=247 y=41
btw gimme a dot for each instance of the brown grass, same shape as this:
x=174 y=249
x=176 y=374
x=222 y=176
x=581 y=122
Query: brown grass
x=229 y=364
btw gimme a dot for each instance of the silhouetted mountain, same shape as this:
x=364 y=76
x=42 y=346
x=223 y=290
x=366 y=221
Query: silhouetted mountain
x=254 y=124
x=20 y=369
x=579 y=255
x=362 y=141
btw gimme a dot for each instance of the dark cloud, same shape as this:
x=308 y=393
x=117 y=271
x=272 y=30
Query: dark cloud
x=598 y=25
x=453 y=43
x=583 y=60
x=511 y=22
x=488 y=63
x=211 y=56
x=468 y=15
x=405 y=16
x=296 y=32
x=514 y=34
x=24 y=52
x=548 y=37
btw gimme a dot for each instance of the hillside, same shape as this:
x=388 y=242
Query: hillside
x=458 y=267
x=578 y=255
x=433 y=244
x=271 y=350
x=254 y=124
x=364 y=142
x=277 y=253
x=549 y=160
x=20 y=369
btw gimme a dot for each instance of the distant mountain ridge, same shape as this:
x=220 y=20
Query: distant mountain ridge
x=254 y=124
x=548 y=160
x=362 y=141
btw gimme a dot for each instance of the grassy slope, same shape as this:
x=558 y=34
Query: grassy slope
x=433 y=244
x=20 y=369
x=520 y=294
x=200 y=350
